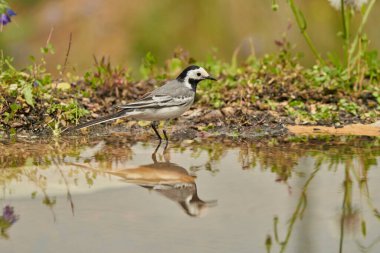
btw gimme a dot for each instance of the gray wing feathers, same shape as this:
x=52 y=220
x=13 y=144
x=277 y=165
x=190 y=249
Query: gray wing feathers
x=171 y=93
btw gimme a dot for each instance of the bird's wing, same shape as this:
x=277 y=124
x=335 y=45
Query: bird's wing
x=170 y=94
x=157 y=101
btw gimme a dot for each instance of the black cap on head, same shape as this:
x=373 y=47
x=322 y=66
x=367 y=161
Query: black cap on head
x=183 y=74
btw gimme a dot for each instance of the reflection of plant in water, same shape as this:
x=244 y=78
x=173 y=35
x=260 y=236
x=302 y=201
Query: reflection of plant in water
x=116 y=153
x=31 y=161
x=357 y=159
x=215 y=151
x=7 y=220
x=69 y=197
x=8 y=175
x=297 y=214
x=351 y=217
x=41 y=153
x=282 y=156
x=280 y=159
x=40 y=182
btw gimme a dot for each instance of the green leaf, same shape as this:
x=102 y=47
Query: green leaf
x=44 y=50
x=303 y=23
x=147 y=66
x=15 y=107
x=28 y=95
x=275 y=5
x=47 y=49
x=34 y=194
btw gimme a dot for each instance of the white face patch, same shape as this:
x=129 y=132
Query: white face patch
x=196 y=74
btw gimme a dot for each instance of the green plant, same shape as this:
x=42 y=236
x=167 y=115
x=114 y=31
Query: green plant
x=147 y=66
x=358 y=63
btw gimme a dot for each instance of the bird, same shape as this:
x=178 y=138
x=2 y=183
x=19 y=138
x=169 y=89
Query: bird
x=168 y=101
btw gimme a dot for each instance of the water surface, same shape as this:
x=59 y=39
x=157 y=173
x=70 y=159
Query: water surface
x=111 y=195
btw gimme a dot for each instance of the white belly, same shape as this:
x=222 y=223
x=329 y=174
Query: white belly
x=159 y=114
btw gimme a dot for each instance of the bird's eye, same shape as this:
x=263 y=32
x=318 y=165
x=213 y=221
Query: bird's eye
x=198 y=74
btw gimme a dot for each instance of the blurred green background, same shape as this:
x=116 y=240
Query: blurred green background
x=125 y=30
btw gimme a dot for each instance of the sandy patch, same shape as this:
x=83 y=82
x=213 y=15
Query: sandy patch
x=355 y=129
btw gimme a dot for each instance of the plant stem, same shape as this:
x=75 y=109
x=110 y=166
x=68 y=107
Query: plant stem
x=346 y=36
x=354 y=43
x=302 y=26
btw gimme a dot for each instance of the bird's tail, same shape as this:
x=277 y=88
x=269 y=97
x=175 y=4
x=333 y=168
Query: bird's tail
x=100 y=120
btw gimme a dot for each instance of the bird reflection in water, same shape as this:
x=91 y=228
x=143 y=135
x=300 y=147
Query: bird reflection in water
x=170 y=180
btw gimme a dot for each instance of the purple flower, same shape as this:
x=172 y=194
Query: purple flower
x=9 y=215
x=10 y=12
x=4 y=19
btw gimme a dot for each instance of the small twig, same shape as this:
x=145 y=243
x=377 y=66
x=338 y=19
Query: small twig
x=49 y=37
x=67 y=54
x=260 y=121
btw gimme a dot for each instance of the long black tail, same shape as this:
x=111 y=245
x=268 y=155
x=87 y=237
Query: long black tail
x=121 y=114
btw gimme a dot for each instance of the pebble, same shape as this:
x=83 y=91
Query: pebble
x=376 y=124
x=228 y=111
x=213 y=115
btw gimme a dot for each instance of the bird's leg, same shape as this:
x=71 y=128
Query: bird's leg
x=166 y=153
x=154 y=157
x=154 y=126
x=166 y=137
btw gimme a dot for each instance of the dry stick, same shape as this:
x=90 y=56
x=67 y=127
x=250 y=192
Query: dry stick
x=67 y=54
x=47 y=41
x=46 y=45
x=65 y=64
x=49 y=37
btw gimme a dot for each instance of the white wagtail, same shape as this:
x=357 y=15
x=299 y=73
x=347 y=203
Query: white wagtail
x=166 y=102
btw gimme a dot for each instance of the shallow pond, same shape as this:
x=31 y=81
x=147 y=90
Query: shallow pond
x=112 y=195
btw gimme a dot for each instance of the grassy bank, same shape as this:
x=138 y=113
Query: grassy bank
x=267 y=91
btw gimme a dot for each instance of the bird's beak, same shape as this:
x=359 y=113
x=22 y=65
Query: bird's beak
x=210 y=78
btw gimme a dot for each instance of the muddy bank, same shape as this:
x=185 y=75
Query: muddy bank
x=184 y=130
x=191 y=127
x=188 y=127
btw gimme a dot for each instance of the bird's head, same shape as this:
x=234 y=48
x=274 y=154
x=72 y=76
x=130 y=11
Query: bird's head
x=192 y=75
x=196 y=207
